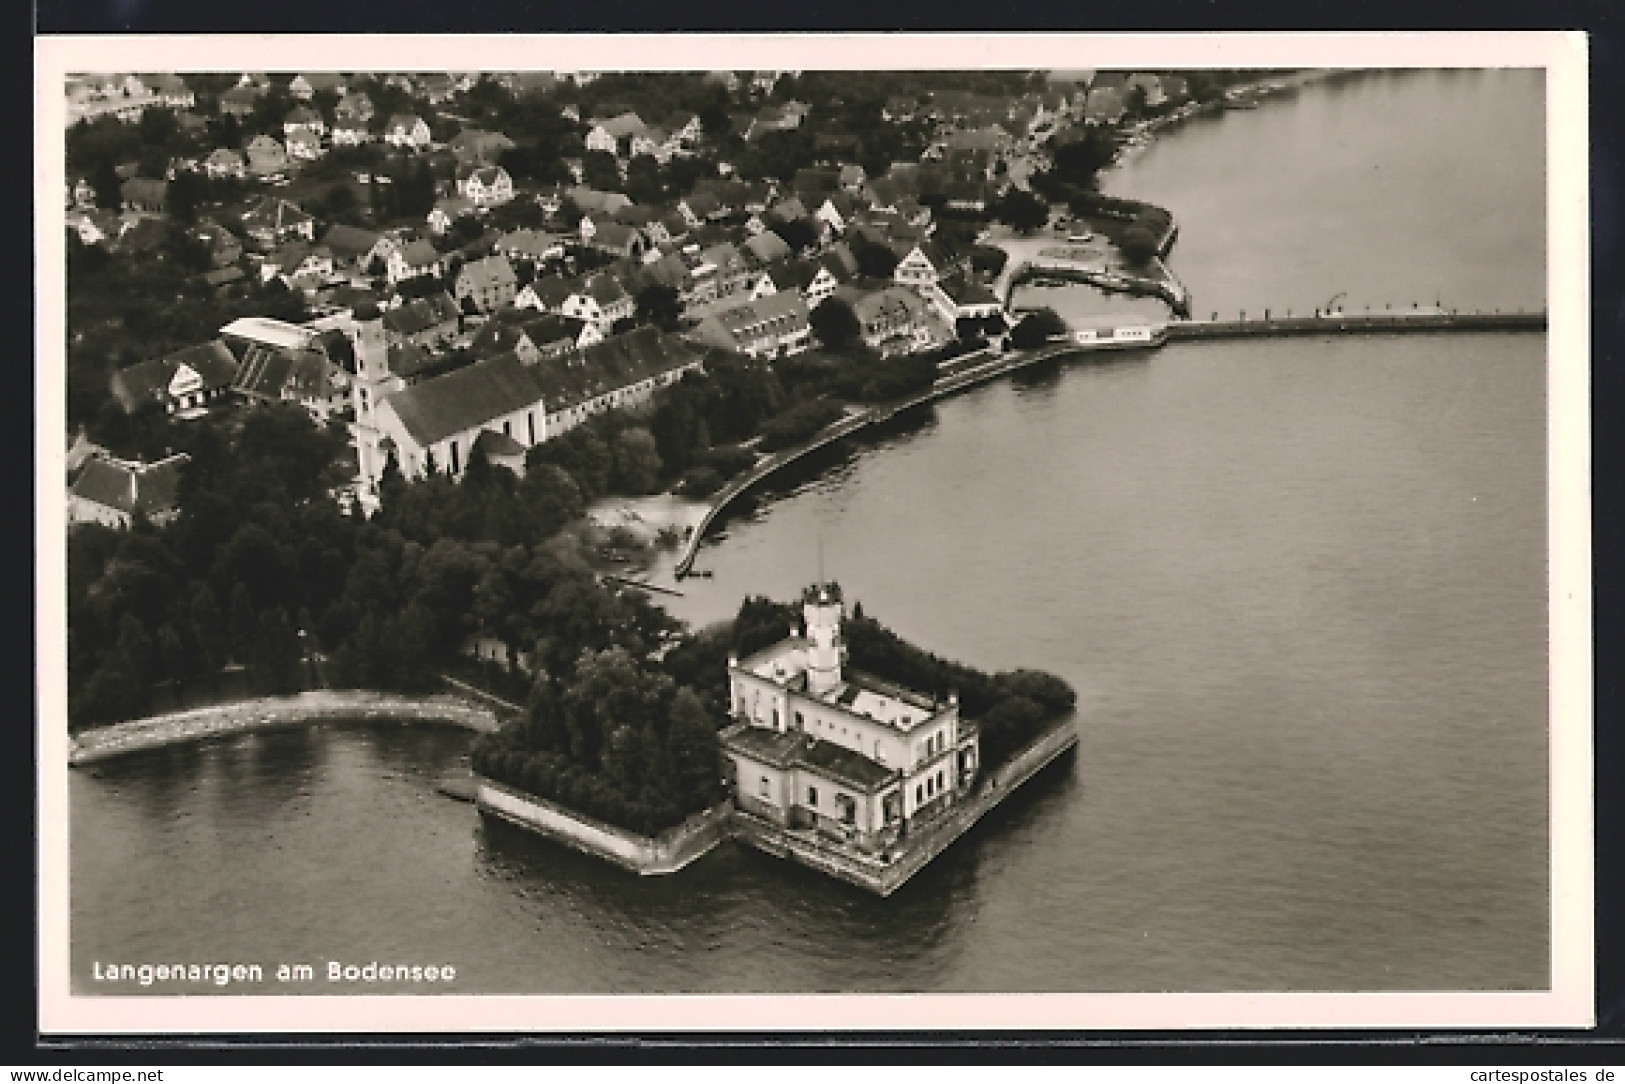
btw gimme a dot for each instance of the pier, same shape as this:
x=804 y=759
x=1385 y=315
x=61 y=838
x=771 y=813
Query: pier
x=1342 y=323
x=964 y=372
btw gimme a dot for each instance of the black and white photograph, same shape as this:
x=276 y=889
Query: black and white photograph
x=529 y=519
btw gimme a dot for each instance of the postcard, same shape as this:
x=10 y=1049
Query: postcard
x=634 y=533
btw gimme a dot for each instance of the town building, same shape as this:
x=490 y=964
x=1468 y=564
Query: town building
x=183 y=383
x=768 y=327
x=820 y=747
x=407 y=130
x=113 y=492
x=489 y=284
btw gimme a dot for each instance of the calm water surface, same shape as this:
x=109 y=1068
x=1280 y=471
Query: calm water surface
x=1299 y=586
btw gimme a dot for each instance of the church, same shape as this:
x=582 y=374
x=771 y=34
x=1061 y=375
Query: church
x=819 y=747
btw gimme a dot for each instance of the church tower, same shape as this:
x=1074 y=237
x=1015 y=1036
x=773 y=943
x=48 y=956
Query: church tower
x=822 y=610
x=373 y=380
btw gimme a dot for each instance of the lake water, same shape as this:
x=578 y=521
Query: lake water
x=1299 y=586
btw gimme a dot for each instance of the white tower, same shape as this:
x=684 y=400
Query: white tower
x=822 y=609
x=373 y=380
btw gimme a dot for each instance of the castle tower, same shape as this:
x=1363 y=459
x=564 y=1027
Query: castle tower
x=822 y=610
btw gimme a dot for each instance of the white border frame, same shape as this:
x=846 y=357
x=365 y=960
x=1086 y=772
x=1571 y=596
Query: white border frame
x=1570 y=1002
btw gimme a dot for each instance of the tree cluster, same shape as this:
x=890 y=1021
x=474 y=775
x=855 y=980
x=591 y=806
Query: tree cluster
x=1011 y=707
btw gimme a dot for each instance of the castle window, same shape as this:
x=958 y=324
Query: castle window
x=919 y=795
x=939 y=780
x=801 y=723
x=812 y=796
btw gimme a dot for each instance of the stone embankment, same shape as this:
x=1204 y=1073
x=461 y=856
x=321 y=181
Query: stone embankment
x=677 y=847
x=272 y=713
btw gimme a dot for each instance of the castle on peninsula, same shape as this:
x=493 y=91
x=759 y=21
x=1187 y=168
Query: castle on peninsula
x=816 y=746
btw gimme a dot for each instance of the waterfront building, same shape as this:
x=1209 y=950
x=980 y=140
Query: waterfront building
x=772 y=326
x=817 y=746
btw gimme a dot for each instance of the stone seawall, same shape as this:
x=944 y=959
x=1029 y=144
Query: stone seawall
x=666 y=853
x=271 y=713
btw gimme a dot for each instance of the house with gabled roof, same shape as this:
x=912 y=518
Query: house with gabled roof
x=613 y=238
x=720 y=272
x=427 y=322
x=600 y=300
x=1104 y=105
x=274 y=220
x=413 y=260
x=486 y=186
x=144 y=194
x=592 y=201
x=546 y=294
x=184 y=382
x=299 y=265
x=355 y=106
x=224 y=162
x=352 y=246
x=266 y=157
x=240 y=101
x=606 y=133
x=303 y=118
x=476 y=146
x=349 y=132
x=892 y=319
x=408 y=131
x=534 y=336
x=766 y=327
x=530 y=246
x=113 y=492
x=304 y=146
x=765 y=248
x=490 y=283
x=224 y=248
x=836 y=267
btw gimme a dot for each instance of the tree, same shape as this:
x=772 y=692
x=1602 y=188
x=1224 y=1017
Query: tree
x=659 y=305
x=637 y=462
x=799 y=233
x=1021 y=211
x=874 y=261
x=105 y=180
x=1138 y=245
x=179 y=662
x=244 y=624
x=988 y=260
x=692 y=743
x=835 y=324
x=1036 y=329
x=598 y=170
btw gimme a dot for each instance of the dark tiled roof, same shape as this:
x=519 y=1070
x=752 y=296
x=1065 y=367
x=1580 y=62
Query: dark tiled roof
x=760 y=743
x=465 y=399
x=843 y=765
x=349 y=242
x=149 y=489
